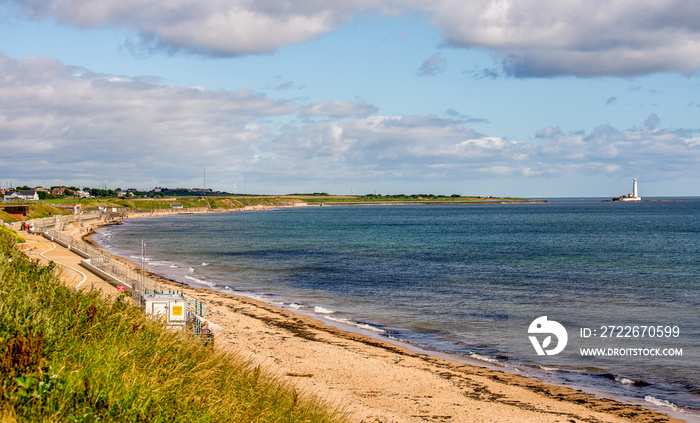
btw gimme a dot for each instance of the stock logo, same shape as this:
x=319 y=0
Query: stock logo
x=543 y=326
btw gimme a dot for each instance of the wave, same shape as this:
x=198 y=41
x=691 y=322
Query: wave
x=367 y=326
x=359 y=325
x=205 y=264
x=661 y=402
x=483 y=358
x=323 y=310
x=623 y=380
x=200 y=281
x=296 y=306
x=549 y=368
x=340 y=320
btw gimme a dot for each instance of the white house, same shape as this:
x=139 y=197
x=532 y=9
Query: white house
x=21 y=196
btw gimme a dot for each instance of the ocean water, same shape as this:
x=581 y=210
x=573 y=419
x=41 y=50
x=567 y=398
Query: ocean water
x=469 y=280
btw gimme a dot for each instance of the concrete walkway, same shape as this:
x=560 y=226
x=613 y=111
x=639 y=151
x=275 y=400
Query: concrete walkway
x=72 y=274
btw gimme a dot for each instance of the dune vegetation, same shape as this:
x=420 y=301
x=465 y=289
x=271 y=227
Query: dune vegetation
x=76 y=357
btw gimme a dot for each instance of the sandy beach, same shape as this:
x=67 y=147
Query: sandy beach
x=378 y=381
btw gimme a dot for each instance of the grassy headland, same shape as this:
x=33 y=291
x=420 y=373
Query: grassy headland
x=159 y=203
x=402 y=198
x=72 y=356
x=45 y=208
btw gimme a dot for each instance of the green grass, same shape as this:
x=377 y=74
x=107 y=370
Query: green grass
x=6 y=217
x=36 y=210
x=45 y=209
x=228 y=202
x=74 y=357
x=401 y=198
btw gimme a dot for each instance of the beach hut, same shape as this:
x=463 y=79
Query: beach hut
x=170 y=308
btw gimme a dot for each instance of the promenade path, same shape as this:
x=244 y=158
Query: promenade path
x=72 y=274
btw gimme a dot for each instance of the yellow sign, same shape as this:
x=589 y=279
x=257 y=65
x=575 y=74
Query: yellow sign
x=177 y=311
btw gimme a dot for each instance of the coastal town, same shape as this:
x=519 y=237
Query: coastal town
x=25 y=193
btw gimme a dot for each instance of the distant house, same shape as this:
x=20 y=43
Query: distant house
x=176 y=205
x=21 y=196
x=59 y=191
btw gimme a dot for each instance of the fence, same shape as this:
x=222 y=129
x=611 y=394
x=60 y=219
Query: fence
x=59 y=223
x=137 y=283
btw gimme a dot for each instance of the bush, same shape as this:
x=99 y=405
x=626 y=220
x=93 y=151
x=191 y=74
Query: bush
x=15 y=236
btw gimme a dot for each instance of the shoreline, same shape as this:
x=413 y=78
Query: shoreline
x=485 y=388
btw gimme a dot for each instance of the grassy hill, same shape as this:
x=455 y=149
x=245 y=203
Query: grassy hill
x=74 y=357
x=45 y=208
x=36 y=210
x=212 y=202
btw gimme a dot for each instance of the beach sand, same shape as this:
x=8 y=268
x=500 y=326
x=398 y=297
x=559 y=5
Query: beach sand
x=377 y=381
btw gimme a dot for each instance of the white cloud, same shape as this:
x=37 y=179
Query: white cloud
x=94 y=124
x=574 y=37
x=548 y=132
x=527 y=37
x=339 y=108
x=649 y=151
x=59 y=121
x=213 y=27
x=405 y=148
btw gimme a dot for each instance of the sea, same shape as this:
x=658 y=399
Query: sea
x=600 y=296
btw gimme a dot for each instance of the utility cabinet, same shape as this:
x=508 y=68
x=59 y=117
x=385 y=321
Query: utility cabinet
x=170 y=308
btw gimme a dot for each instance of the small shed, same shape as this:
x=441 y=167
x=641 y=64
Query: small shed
x=18 y=212
x=170 y=308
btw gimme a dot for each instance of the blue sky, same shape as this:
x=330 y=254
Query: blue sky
x=493 y=97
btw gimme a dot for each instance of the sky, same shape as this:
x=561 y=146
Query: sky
x=526 y=98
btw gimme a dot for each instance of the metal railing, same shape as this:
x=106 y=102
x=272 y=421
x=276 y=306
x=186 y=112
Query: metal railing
x=135 y=280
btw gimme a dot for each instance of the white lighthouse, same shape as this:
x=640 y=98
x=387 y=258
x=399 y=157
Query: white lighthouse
x=634 y=195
